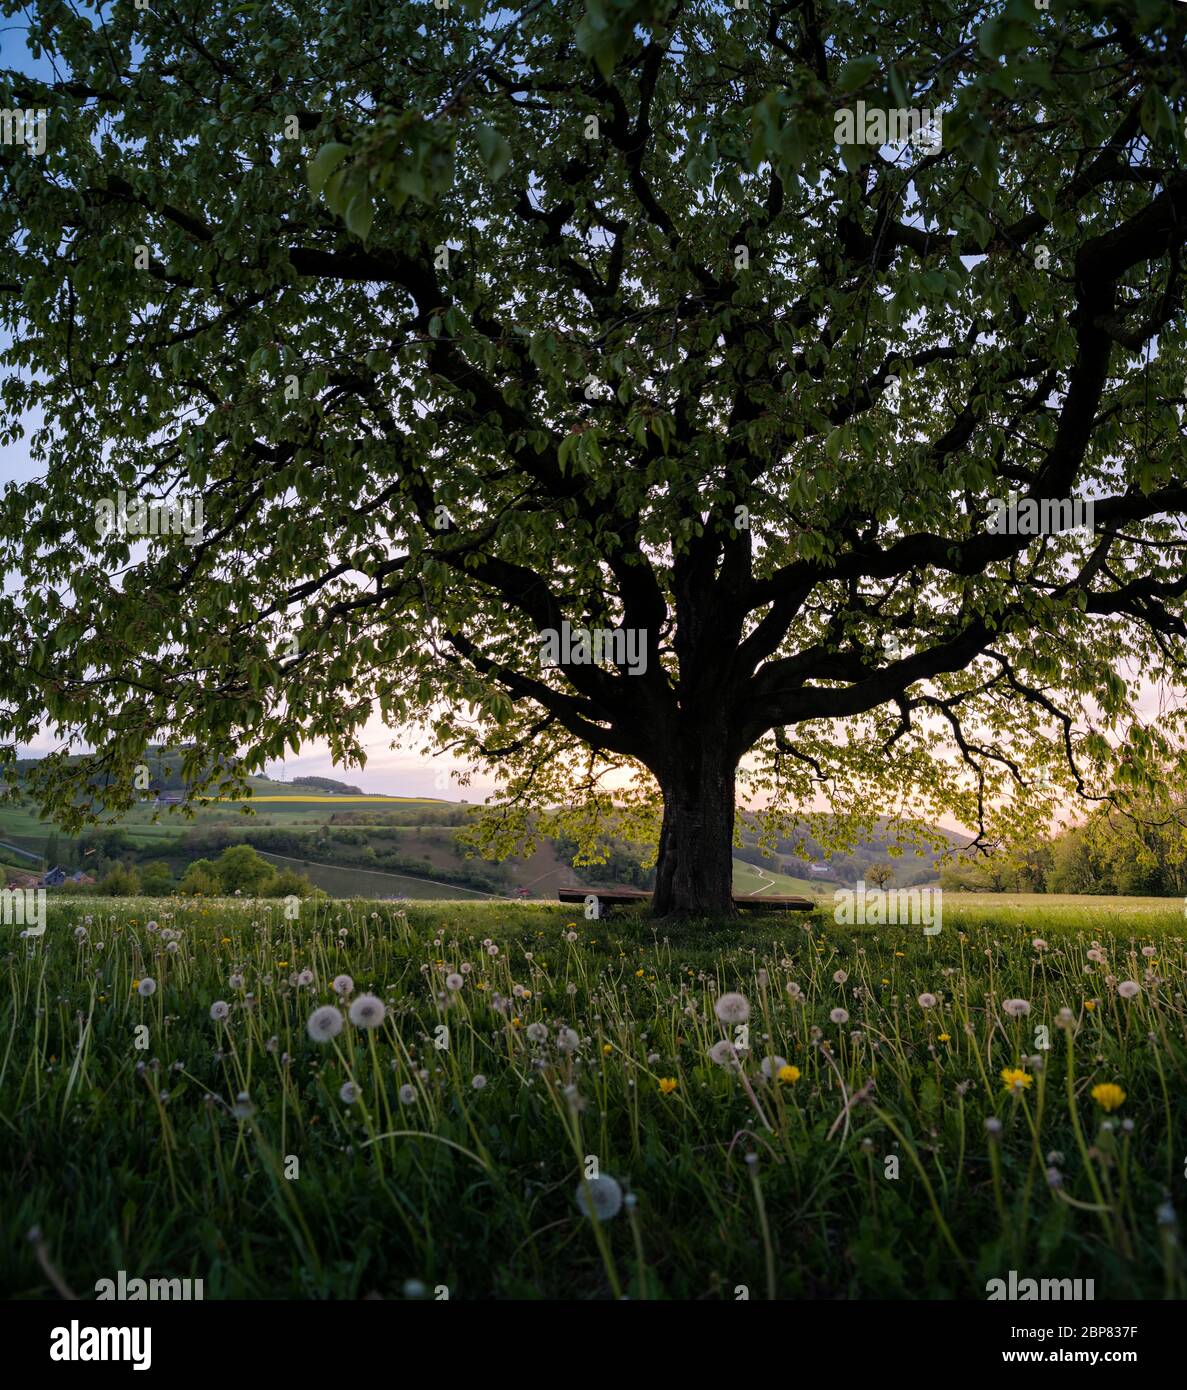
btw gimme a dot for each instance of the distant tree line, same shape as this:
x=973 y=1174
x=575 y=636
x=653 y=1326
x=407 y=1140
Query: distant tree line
x=1142 y=853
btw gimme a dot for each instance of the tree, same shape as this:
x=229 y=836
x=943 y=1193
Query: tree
x=577 y=382
x=200 y=880
x=156 y=878
x=880 y=874
x=287 y=883
x=120 y=881
x=241 y=870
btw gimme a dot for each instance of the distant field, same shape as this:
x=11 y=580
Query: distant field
x=764 y=882
x=329 y=798
x=342 y=881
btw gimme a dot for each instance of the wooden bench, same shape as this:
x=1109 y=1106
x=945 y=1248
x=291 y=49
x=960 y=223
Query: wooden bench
x=608 y=898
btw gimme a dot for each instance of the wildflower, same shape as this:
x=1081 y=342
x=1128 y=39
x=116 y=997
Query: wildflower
x=367 y=1011
x=342 y=984
x=793 y=989
x=454 y=981
x=789 y=1075
x=172 y=947
x=236 y=981
x=667 y=1084
x=992 y=1125
x=567 y=1040
x=243 y=1108
x=1016 y=1079
x=927 y=1001
x=1065 y=1018
x=1108 y=1095
x=478 y=1082
x=1149 y=952
x=407 y=1094
x=537 y=1032
x=1090 y=1004
x=840 y=977
x=324 y=1023
x=219 y=1010
x=305 y=977
x=732 y=1008
x=638 y=974
x=1098 y=956
x=349 y=1092
x=492 y=950
x=945 y=1037
x=723 y=1053
x=1129 y=989
x=147 y=987
x=599 y=1198
x=1016 y=1008
x=771 y=1066
x=607 y=1049
x=1039 y=944
x=839 y=1016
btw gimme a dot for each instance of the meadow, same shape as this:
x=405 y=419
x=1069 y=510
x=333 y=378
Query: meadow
x=509 y=1101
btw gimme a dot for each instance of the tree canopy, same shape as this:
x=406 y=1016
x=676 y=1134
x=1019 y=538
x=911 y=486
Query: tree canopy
x=470 y=325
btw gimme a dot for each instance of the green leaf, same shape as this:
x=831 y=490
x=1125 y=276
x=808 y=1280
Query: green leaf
x=323 y=164
x=359 y=214
x=857 y=72
x=495 y=151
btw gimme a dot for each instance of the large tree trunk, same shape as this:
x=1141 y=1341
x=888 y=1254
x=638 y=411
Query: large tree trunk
x=694 y=872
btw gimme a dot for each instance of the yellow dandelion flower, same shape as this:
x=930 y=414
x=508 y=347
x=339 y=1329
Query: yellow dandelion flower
x=1108 y=1095
x=945 y=1037
x=638 y=974
x=135 y=986
x=607 y=1048
x=1090 y=1004
x=225 y=941
x=516 y=1023
x=902 y=955
x=1016 y=1079
x=789 y=1075
x=527 y=994
x=885 y=982
x=667 y=1084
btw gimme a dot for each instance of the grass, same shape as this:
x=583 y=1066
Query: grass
x=817 y=1185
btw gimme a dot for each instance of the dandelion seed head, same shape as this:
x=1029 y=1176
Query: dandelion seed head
x=600 y=1198
x=732 y=1008
x=367 y=1011
x=324 y=1023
